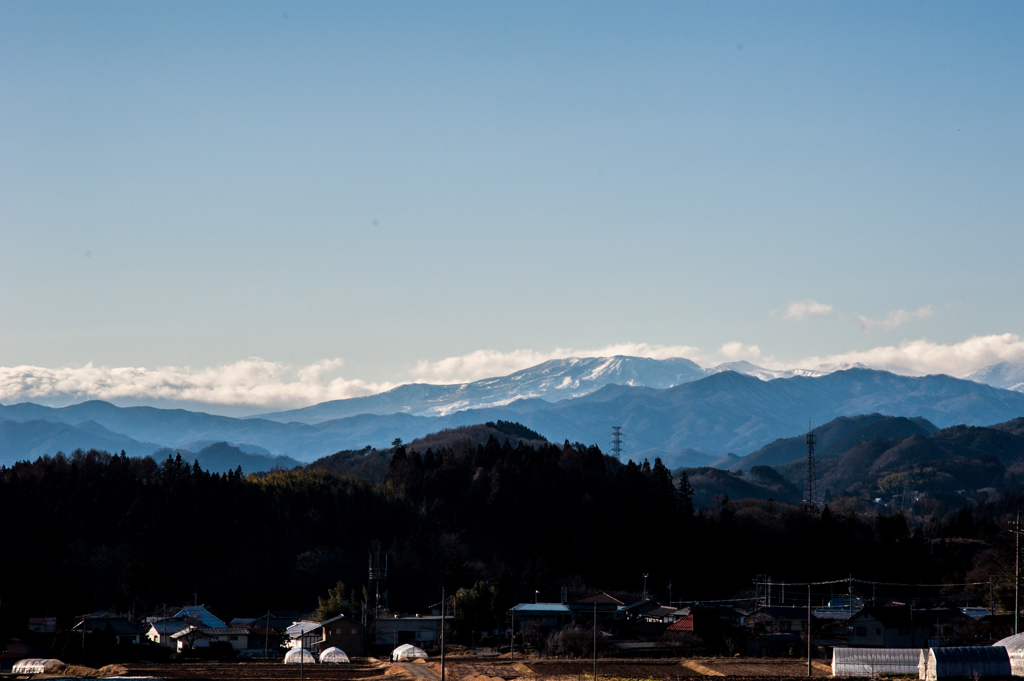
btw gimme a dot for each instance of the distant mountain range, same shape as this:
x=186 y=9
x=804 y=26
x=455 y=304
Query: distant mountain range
x=691 y=423
x=552 y=381
x=1009 y=375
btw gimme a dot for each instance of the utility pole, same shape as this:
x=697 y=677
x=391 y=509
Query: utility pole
x=849 y=593
x=808 y=630
x=645 y=586
x=266 y=641
x=512 y=637
x=595 y=641
x=1015 y=528
x=444 y=607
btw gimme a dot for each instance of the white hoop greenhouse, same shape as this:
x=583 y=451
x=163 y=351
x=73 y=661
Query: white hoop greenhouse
x=299 y=656
x=1015 y=649
x=37 y=665
x=407 y=652
x=333 y=655
x=874 y=661
x=966 y=662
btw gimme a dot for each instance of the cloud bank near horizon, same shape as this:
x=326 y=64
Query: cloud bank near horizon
x=253 y=381
x=261 y=383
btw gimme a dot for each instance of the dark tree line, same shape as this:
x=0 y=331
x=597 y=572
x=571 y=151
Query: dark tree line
x=94 y=531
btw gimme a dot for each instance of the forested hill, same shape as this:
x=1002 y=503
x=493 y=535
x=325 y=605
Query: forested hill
x=94 y=531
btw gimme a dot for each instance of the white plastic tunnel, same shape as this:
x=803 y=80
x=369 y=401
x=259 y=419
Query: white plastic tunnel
x=964 y=662
x=872 y=662
x=299 y=656
x=407 y=651
x=1015 y=649
x=333 y=655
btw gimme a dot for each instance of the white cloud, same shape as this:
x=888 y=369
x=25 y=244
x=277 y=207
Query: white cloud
x=737 y=350
x=271 y=385
x=252 y=381
x=490 y=363
x=895 y=318
x=925 y=357
x=807 y=308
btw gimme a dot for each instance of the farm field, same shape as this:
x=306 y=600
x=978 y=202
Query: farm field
x=482 y=669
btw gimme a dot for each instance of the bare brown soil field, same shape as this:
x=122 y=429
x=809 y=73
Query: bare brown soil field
x=257 y=671
x=582 y=670
x=754 y=667
x=491 y=669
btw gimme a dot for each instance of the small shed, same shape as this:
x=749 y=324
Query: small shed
x=407 y=651
x=38 y=665
x=299 y=656
x=875 y=661
x=333 y=656
x=1015 y=649
x=964 y=662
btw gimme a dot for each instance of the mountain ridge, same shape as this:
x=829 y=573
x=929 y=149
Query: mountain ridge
x=700 y=420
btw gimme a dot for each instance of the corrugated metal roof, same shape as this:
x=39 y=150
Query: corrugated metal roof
x=541 y=607
x=212 y=631
x=301 y=628
x=169 y=626
x=200 y=613
x=601 y=598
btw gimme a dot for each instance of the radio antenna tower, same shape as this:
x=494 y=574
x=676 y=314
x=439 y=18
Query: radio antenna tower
x=617 y=441
x=811 y=493
x=378 y=573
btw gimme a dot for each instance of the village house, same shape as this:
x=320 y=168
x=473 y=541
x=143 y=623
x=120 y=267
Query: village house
x=102 y=622
x=706 y=625
x=395 y=631
x=608 y=608
x=778 y=619
x=546 y=615
x=202 y=637
x=161 y=631
x=339 y=632
x=300 y=634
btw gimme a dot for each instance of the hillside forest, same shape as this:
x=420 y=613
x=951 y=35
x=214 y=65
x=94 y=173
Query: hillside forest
x=500 y=515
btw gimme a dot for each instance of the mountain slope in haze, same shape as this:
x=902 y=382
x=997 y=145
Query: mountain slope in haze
x=28 y=440
x=836 y=437
x=554 y=380
x=221 y=457
x=1007 y=375
x=720 y=414
x=729 y=412
x=711 y=485
x=955 y=458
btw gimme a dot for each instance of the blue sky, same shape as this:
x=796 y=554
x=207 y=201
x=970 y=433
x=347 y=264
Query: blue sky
x=191 y=184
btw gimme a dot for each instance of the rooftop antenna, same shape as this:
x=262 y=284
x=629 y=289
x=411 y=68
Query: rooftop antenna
x=811 y=492
x=617 y=441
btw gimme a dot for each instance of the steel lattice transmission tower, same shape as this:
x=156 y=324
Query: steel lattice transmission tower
x=617 y=441
x=811 y=492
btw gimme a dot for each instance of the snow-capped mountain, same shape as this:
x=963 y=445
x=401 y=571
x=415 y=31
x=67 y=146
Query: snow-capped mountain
x=744 y=367
x=551 y=381
x=1007 y=375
